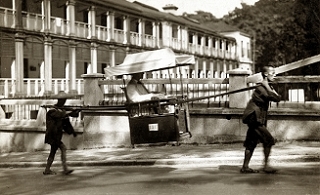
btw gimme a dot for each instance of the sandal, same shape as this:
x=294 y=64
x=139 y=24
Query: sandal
x=49 y=172
x=248 y=170
x=68 y=172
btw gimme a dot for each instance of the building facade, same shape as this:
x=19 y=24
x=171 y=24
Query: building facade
x=54 y=39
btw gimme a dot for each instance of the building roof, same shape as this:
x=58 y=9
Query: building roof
x=221 y=27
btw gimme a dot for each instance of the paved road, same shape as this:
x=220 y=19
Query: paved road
x=296 y=179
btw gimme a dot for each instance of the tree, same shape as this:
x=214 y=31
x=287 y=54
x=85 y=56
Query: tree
x=285 y=31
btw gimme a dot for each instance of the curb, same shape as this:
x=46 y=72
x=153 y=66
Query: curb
x=217 y=161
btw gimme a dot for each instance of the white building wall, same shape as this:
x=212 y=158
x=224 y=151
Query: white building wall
x=244 y=50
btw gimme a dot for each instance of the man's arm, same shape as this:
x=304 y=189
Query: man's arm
x=272 y=94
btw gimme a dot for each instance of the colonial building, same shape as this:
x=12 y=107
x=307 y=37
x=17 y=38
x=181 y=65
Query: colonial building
x=63 y=39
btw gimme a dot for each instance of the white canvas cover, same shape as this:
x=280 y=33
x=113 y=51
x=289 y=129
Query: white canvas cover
x=149 y=61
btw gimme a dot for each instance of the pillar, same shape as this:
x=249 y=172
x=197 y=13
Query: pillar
x=238 y=80
x=156 y=34
x=92 y=22
x=126 y=29
x=92 y=91
x=204 y=67
x=211 y=69
x=112 y=56
x=46 y=13
x=141 y=32
x=196 y=68
x=94 y=58
x=72 y=67
x=19 y=66
x=17 y=6
x=180 y=37
x=48 y=65
x=71 y=17
x=210 y=45
x=110 y=25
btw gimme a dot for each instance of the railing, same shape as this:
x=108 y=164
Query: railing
x=296 y=92
x=61 y=26
x=82 y=29
x=119 y=36
x=176 y=44
x=7 y=18
x=28 y=109
x=58 y=26
x=134 y=38
x=150 y=41
x=32 y=21
x=102 y=32
x=179 y=87
x=35 y=87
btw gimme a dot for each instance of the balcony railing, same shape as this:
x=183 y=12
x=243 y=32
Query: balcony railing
x=119 y=36
x=82 y=29
x=7 y=17
x=102 y=32
x=32 y=21
x=135 y=38
x=60 y=26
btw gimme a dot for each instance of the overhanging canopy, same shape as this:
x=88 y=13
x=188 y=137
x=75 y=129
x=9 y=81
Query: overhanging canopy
x=149 y=61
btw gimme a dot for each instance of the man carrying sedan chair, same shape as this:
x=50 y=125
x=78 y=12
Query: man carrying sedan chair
x=57 y=121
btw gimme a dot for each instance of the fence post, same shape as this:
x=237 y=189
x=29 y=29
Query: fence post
x=92 y=92
x=238 y=80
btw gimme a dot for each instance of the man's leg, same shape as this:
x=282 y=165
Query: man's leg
x=266 y=151
x=247 y=157
x=267 y=168
x=50 y=159
x=250 y=144
x=63 y=149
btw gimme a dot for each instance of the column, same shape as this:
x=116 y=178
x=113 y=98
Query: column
x=72 y=67
x=203 y=44
x=210 y=45
x=48 y=65
x=218 y=62
x=94 y=57
x=180 y=36
x=92 y=91
x=17 y=6
x=196 y=68
x=166 y=34
x=46 y=14
x=112 y=56
x=212 y=69
x=19 y=66
x=110 y=25
x=223 y=49
x=194 y=42
x=204 y=68
x=238 y=80
x=126 y=29
x=158 y=44
x=71 y=17
x=156 y=34
x=217 y=43
x=141 y=32
x=92 y=22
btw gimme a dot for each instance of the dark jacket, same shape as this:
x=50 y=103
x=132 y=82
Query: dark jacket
x=259 y=105
x=57 y=121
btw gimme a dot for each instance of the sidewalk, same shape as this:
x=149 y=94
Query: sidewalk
x=199 y=155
